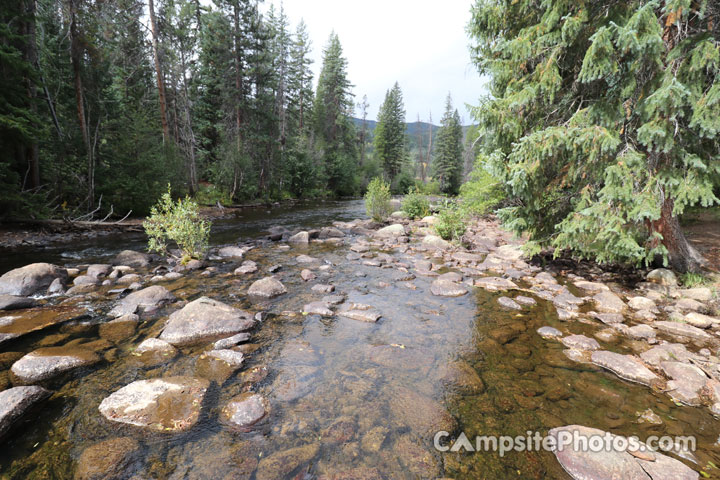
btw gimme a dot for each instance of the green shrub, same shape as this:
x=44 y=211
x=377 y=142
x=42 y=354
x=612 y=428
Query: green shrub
x=209 y=194
x=430 y=188
x=450 y=223
x=415 y=204
x=482 y=192
x=403 y=182
x=692 y=280
x=178 y=222
x=377 y=200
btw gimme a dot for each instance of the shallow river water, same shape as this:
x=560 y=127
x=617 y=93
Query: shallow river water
x=346 y=395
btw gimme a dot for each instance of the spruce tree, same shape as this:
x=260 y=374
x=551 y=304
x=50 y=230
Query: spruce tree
x=604 y=118
x=389 y=141
x=448 y=157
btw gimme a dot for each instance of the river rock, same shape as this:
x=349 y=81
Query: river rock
x=170 y=404
x=641 y=332
x=701 y=294
x=395 y=230
x=416 y=459
x=57 y=287
x=307 y=275
x=586 y=464
x=281 y=464
x=422 y=414
x=608 y=302
x=244 y=411
x=433 y=241
x=232 y=252
x=331 y=232
x=112 y=459
x=119 y=329
x=132 y=259
x=509 y=303
x=16 y=302
x=591 y=287
x=495 y=284
x=361 y=315
x=641 y=303
x=608 y=318
x=446 y=288
x=153 y=351
x=248 y=266
x=86 y=280
x=231 y=341
x=203 y=319
x=46 y=363
x=30 y=279
x=462 y=377
x=268 y=287
x=549 y=333
x=318 y=308
x=682 y=330
x=687 y=382
x=700 y=321
x=580 y=342
x=15 y=402
x=219 y=365
x=688 y=304
x=323 y=288
x=300 y=237
x=147 y=298
x=625 y=366
x=662 y=276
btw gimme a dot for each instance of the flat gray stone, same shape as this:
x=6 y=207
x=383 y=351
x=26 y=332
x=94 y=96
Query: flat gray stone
x=232 y=252
x=509 y=303
x=495 y=283
x=687 y=383
x=132 y=258
x=608 y=302
x=141 y=300
x=46 y=363
x=549 y=332
x=268 y=287
x=16 y=302
x=625 y=366
x=203 y=319
x=395 y=230
x=446 y=288
x=244 y=411
x=318 y=308
x=30 y=279
x=682 y=330
x=580 y=342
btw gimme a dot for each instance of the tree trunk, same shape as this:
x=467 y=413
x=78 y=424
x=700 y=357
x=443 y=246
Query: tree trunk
x=192 y=167
x=681 y=255
x=158 y=73
x=238 y=82
x=75 y=58
x=32 y=151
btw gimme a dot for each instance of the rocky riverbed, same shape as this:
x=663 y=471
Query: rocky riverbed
x=338 y=353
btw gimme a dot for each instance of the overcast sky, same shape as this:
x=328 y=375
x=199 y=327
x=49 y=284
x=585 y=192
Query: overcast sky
x=421 y=44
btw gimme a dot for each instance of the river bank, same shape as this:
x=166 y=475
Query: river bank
x=341 y=351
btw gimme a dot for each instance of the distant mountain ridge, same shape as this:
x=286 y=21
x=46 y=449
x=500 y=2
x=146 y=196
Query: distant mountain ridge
x=411 y=128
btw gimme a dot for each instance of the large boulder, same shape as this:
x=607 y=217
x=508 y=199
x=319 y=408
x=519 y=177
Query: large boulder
x=15 y=402
x=144 y=299
x=204 y=319
x=170 y=404
x=610 y=463
x=46 y=363
x=132 y=258
x=662 y=276
x=268 y=287
x=30 y=279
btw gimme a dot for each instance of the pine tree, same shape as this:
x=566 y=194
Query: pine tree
x=605 y=118
x=334 y=132
x=390 y=141
x=448 y=157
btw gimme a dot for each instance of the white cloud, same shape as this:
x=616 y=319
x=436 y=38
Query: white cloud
x=421 y=44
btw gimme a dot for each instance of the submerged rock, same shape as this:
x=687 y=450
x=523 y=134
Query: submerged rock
x=422 y=414
x=580 y=342
x=112 y=459
x=446 y=288
x=19 y=323
x=586 y=464
x=283 y=463
x=362 y=315
x=170 y=404
x=15 y=402
x=219 y=365
x=318 y=308
x=549 y=332
x=147 y=298
x=30 y=279
x=204 y=319
x=244 y=411
x=46 y=363
x=268 y=287
x=153 y=351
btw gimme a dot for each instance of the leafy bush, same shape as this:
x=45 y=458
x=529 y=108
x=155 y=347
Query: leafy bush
x=450 y=223
x=211 y=194
x=430 y=188
x=482 y=192
x=692 y=280
x=178 y=222
x=377 y=200
x=402 y=183
x=416 y=205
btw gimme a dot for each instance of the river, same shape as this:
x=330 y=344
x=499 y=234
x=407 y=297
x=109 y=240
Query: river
x=352 y=397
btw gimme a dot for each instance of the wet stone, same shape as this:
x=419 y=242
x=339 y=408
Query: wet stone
x=307 y=275
x=114 y=459
x=244 y=411
x=322 y=288
x=170 y=404
x=609 y=318
x=586 y=464
x=153 y=351
x=495 y=284
x=30 y=279
x=625 y=366
x=219 y=365
x=687 y=382
x=231 y=341
x=509 y=303
x=669 y=351
x=445 y=288
x=132 y=258
x=16 y=302
x=204 y=319
x=318 y=308
x=422 y=414
x=526 y=301
x=144 y=299
x=549 y=332
x=119 y=329
x=15 y=402
x=580 y=342
x=682 y=330
x=268 y=287
x=283 y=463
x=21 y=322
x=246 y=268
x=231 y=252
x=367 y=316
x=608 y=302
x=46 y=363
